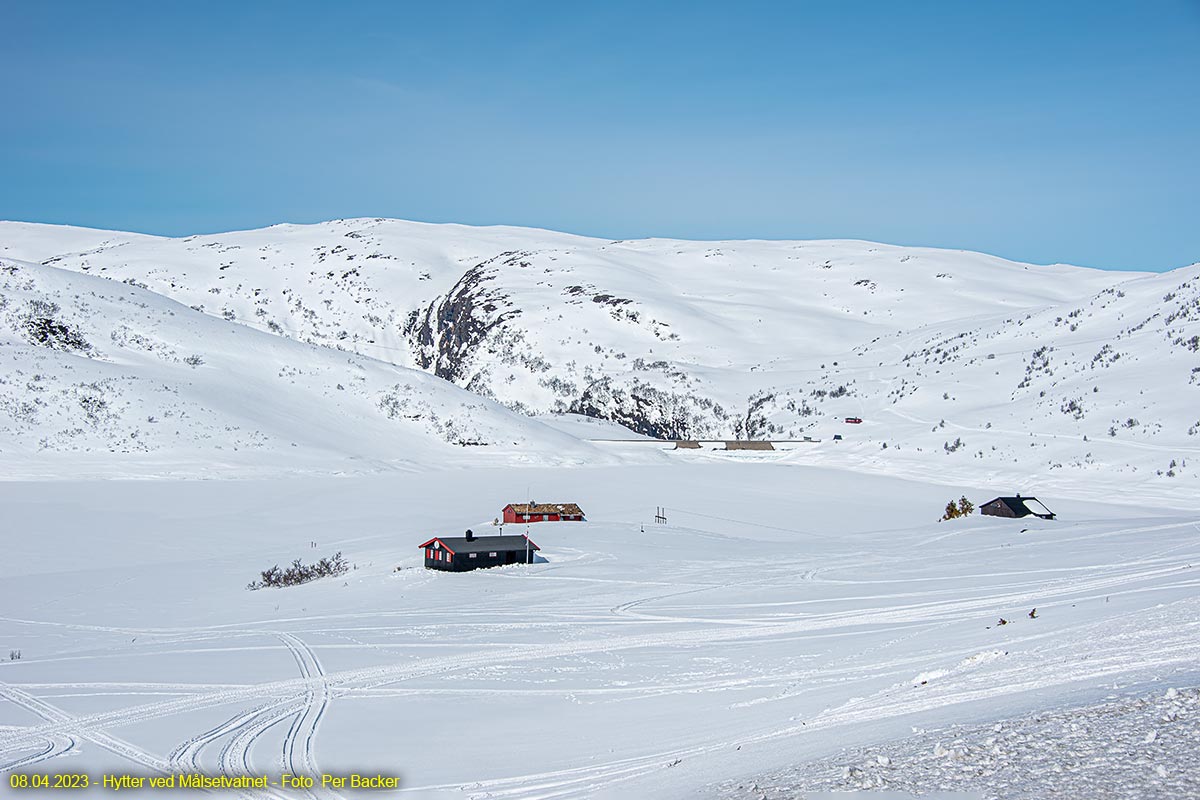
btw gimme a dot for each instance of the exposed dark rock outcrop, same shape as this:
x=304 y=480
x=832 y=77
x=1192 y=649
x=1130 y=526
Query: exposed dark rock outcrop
x=649 y=410
x=449 y=330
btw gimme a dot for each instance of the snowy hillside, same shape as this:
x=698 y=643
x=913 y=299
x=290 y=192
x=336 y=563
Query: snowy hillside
x=958 y=359
x=103 y=368
x=781 y=614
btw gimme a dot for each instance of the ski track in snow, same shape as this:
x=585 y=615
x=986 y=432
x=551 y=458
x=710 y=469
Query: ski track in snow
x=304 y=699
x=304 y=727
x=58 y=746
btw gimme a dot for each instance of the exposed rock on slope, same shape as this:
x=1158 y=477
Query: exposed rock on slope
x=942 y=352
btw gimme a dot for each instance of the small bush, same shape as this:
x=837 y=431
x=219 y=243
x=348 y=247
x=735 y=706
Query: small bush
x=963 y=508
x=298 y=573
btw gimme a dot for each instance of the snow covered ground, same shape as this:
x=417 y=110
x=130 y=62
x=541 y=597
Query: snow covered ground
x=783 y=613
x=1142 y=747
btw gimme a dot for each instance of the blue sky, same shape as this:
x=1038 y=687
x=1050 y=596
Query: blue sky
x=1046 y=132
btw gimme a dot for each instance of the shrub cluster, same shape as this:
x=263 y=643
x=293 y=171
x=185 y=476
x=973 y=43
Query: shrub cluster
x=298 y=573
x=42 y=328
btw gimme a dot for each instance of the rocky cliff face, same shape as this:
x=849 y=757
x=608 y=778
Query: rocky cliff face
x=449 y=334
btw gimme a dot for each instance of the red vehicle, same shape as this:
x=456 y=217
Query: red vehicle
x=854 y=420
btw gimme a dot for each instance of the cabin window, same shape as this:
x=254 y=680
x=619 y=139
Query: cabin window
x=491 y=555
x=472 y=555
x=429 y=552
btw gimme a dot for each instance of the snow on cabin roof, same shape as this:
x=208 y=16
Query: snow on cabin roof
x=482 y=544
x=1034 y=505
x=546 y=508
x=1023 y=505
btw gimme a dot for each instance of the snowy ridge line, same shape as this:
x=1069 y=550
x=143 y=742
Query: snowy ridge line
x=802 y=334
x=379 y=676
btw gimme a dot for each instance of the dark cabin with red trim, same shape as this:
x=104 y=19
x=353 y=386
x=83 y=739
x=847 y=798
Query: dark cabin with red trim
x=462 y=553
x=542 y=512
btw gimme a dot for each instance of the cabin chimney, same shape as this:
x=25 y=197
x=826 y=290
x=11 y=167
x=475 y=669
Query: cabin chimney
x=470 y=535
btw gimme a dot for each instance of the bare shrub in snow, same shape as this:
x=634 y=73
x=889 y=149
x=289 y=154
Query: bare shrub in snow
x=94 y=404
x=299 y=572
x=1073 y=408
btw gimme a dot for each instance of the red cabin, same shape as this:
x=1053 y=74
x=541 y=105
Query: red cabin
x=542 y=512
x=854 y=420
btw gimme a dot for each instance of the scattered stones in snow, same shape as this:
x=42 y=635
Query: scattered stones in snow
x=1140 y=747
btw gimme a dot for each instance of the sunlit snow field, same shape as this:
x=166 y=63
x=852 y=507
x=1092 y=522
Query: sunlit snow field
x=783 y=612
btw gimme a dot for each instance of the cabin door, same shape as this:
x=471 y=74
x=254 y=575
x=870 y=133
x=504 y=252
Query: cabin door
x=510 y=557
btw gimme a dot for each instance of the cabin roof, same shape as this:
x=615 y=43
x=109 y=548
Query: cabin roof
x=482 y=544
x=546 y=508
x=1022 y=505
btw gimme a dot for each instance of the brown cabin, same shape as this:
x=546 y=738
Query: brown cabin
x=1016 y=507
x=743 y=444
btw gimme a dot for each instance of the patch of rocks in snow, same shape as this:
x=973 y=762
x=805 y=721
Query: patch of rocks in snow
x=1129 y=748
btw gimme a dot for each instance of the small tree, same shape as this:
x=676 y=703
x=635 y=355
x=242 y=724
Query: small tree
x=963 y=508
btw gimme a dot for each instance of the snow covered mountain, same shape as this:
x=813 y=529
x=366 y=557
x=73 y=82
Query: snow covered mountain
x=99 y=367
x=956 y=354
